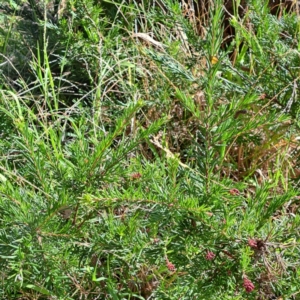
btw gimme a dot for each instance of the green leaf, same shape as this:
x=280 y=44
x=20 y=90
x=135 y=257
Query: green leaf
x=38 y=289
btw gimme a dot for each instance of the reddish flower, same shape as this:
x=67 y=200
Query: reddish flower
x=210 y=255
x=262 y=96
x=252 y=243
x=234 y=192
x=170 y=266
x=248 y=285
x=156 y=240
x=135 y=176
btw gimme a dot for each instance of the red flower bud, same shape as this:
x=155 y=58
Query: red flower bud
x=170 y=266
x=210 y=255
x=252 y=243
x=234 y=192
x=248 y=285
x=136 y=175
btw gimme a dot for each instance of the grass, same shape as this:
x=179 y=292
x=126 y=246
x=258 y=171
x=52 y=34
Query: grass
x=146 y=154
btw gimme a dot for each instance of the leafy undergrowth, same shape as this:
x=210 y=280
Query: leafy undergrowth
x=145 y=154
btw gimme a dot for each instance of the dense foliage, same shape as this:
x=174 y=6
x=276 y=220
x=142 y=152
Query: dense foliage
x=149 y=152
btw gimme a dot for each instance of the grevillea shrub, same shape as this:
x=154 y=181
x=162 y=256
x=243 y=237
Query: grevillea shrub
x=141 y=160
